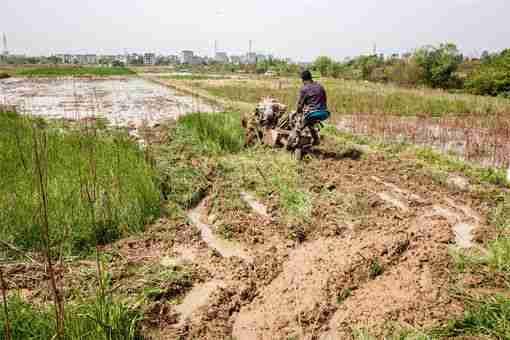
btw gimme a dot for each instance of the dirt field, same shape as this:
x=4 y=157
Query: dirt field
x=348 y=241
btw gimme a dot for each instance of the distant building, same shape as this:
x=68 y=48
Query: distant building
x=235 y=59
x=5 y=50
x=65 y=58
x=173 y=59
x=149 y=59
x=187 y=57
x=221 y=57
x=251 y=58
x=196 y=60
x=134 y=59
x=261 y=57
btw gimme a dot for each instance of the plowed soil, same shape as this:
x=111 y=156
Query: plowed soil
x=374 y=254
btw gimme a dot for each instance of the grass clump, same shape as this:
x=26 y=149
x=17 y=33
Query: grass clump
x=74 y=72
x=211 y=133
x=451 y=164
x=168 y=283
x=99 y=319
x=191 y=154
x=489 y=316
x=98 y=185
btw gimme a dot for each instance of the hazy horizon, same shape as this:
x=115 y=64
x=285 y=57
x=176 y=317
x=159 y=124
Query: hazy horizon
x=302 y=29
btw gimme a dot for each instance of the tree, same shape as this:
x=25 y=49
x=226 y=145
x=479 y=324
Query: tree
x=439 y=64
x=323 y=65
x=492 y=77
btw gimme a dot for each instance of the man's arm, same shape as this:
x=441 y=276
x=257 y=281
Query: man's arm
x=301 y=101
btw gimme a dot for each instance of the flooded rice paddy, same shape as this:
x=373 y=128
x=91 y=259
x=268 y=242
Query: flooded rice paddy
x=122 y=101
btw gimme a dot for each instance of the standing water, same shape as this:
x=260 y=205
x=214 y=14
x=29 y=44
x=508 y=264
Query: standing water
x=122 y=101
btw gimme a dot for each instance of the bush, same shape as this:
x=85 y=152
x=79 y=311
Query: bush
x=98 y=185
x=492 y=77
x=439 y=65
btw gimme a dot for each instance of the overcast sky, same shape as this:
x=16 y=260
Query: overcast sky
x=300 y=29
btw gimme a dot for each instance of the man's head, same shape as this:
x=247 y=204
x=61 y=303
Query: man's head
x=306 y=76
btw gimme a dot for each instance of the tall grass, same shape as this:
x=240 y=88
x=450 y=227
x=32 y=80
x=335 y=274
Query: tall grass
x=74 y=71
x=212 y=133
x=475 y=127
x=489 y=316
x=101 y=318
x=353 y=97
x=196 y=136
x=125 y=192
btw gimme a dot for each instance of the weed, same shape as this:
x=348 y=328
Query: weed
x=375 y=269
x=496 y=258
x=488 y=316
x=498 y=255
x=226 y=231
x=500 y=214
x=167 y=284
x=343 y=295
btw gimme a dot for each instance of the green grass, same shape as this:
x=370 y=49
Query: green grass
x=101 y=318
x=489 y=316
x=196 y=141
x=74 y=71
x=212 y=133
x=453 y=164
x=99 y=186
x=193 y=77
x=352 y=97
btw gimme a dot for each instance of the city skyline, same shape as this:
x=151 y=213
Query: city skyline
x=302 y=29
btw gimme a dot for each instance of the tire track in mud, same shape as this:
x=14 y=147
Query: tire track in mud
x=223 y=247
x=412 y=288
x=415 y=290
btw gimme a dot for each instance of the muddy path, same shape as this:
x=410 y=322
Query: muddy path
x=384 y=258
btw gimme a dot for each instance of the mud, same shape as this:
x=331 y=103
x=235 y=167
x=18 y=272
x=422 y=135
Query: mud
x=471 y=137
x=199 y=297
x=375 y=254
x=223 y=247
x=255 y=205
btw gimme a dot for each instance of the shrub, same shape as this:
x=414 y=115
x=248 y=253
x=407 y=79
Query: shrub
x=492 y=77
x=439 y=65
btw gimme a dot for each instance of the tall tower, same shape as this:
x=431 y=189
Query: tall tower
x=251 y=46
x=5 y=50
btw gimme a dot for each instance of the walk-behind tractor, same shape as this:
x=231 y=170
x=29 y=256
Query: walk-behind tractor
x=270 y=124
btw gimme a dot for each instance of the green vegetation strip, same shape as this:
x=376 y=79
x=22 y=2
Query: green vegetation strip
x=353 y=97
x=74 y=71
x=101 y=318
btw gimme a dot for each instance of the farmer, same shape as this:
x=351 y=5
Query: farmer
x=313 y=103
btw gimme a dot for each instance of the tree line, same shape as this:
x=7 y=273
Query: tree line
x=440 y=66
